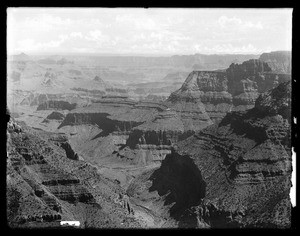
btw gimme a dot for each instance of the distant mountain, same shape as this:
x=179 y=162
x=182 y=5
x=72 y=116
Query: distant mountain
x=279 y=61
x=210 y=62
x=21 y=57
x=193 y=62
x=52 y=60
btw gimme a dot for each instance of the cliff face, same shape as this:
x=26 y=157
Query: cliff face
x=205 y=90
x=202 y=85
x=55 y=116
x=59 y=105
x=204 y=98
x=112 y=114
x=245 y=164
x=279 y=61
x=46 y=99
x=44 y=186
x=178 y=182
x=117 y=121
x=166 y=129
x=221 y=92
x=102 y=120
x=248 y=157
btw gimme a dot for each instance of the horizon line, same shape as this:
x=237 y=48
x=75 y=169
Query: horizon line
x=138 y=54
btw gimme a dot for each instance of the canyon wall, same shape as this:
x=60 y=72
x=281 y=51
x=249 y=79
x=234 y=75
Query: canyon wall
x=45 y=186
x=279 y=61
x=242 y=166
x=218 y=93
x=59 y=105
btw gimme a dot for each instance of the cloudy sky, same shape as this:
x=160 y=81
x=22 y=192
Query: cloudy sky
x=147 y=31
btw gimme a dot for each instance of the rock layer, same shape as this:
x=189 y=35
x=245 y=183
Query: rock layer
x=279 y=61
x=245 y=164
x=59 y=105
x=219 y=92
x=45 y=187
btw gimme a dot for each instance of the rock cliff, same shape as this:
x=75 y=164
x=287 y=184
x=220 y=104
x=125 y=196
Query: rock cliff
x=243 y=164
x=44 y=186
x=203 y=92
x=55 y=116
x=279 y=61
x=59 y=105
x=219 y=92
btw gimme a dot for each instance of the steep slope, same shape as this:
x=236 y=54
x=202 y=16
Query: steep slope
x=279 y=61
x=59 y=105
x=206 y=90
x=45 y=186
x=242 y=165
x=219 y=92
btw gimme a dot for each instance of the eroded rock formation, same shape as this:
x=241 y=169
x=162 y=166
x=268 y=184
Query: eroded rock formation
x=59 y=105
x=219 y=92
x=279 y=61
x=244 y=162
x=55 y=116
x=44 y=186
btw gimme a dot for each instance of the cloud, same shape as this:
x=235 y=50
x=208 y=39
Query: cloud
x=96 y=35
x=32 y=45
x=74 y=41
x=46 y=22
x=236 y=23
x=139 y=30
x=229 y=48
x=138 y=23
x=76 y=34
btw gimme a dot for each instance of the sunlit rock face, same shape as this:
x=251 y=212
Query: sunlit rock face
x=279 y=61
x=219 y=92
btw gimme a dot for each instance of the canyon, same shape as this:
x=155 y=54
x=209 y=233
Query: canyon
x=206 y=146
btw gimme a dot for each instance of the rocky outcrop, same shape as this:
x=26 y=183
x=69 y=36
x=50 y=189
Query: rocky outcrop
x=113 y=114
x=178 y=182
x=101 y=120
x=205 y=92
x=220 y=92
x=244 y=162
x=279 y=61
x=147 y=126
x=198 y=85
x=252 y=152
x=248 y=80
x=59 y=105
x=28 y=167
x=276 y=101
x=55 y=116
x=238 y=72
x=165 y=129
x=45 y=187
x=35 y=99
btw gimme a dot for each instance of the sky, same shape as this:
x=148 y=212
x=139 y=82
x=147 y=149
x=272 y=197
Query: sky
x=155 y=31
